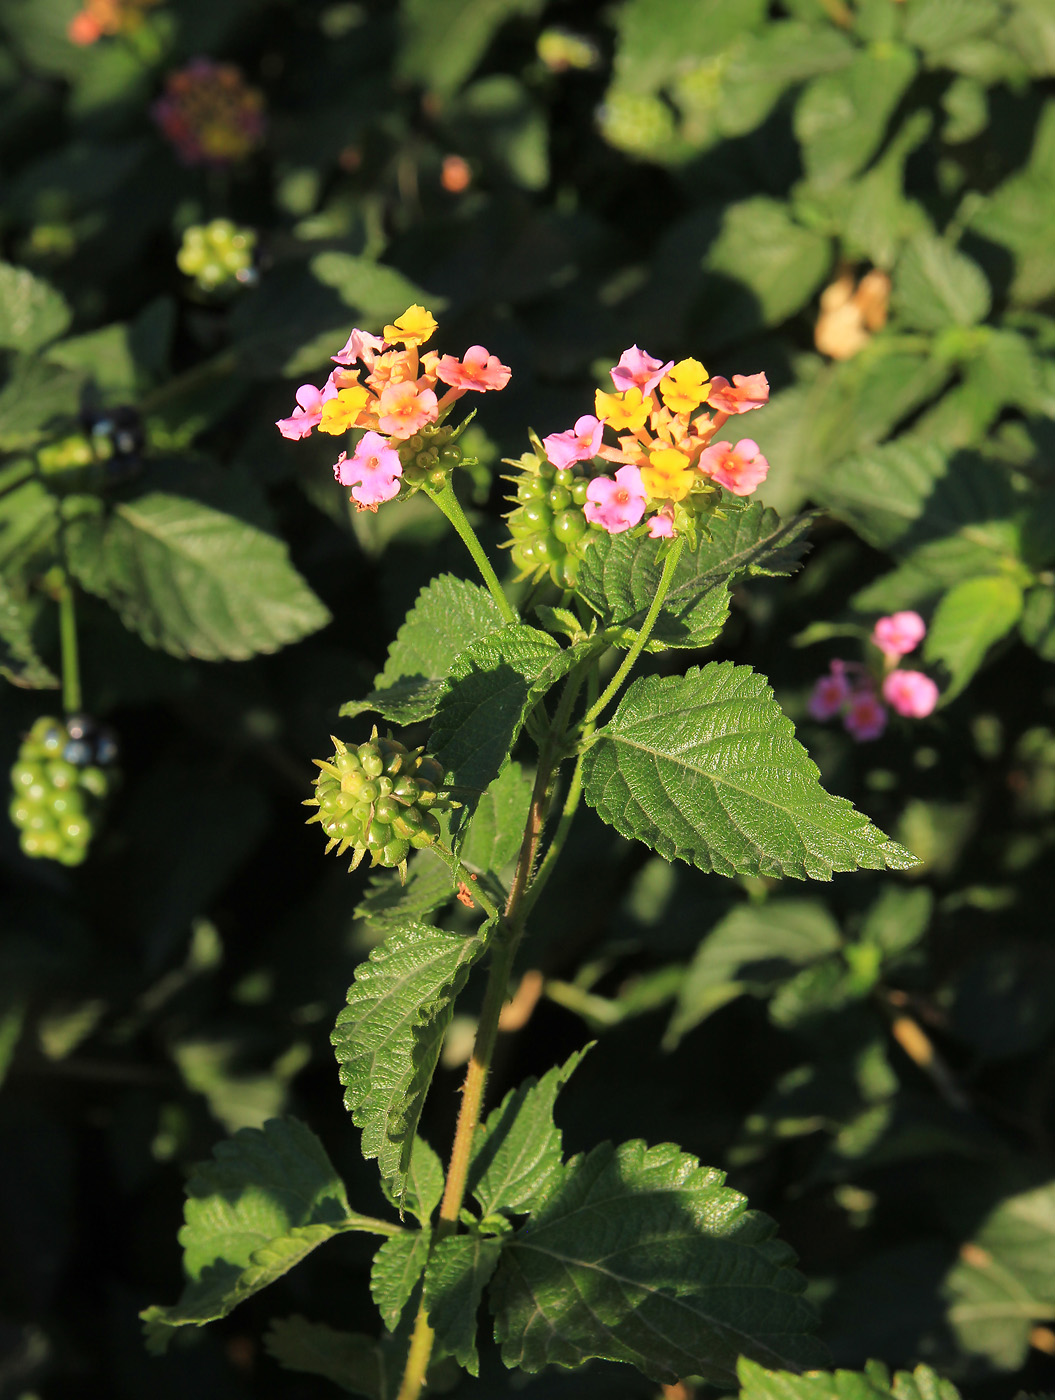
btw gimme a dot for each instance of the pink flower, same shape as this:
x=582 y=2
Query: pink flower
x=616 y=505
x=899 y=633
x=661 y=526
x=746 y=392
x=475 y=370
x=866 y=718
x=830 y=693
x=372 y=471
x=911 y=693
x=739 y=469
x=578 y=444
x=635 y=368
x=360 y=345
x=308 y=412
x=405 y=407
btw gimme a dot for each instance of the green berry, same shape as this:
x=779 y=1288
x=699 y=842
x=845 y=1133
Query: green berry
x=59 y=782
x=548 y=525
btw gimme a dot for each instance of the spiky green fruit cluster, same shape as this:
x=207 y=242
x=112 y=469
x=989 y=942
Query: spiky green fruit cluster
x=378 y=799
x=61 y=777
x=217 y=253
x=550 y=532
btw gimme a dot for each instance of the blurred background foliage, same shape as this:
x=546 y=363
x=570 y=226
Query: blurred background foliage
x=857 y=198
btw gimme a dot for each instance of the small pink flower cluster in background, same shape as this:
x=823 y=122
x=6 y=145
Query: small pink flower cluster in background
x=849 y=688
x=392 y=396
x=663 y=449
x=210 y=113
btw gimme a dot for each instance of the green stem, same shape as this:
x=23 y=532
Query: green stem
x=642 y=637
x=71 y=671
x=452 y=508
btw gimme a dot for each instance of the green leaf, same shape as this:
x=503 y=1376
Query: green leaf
x=1038 y=621
x=444 y=40
x=459 y=1270
x=448 y=615
x=105 y=356
x=378 y=293
x=619 y=576
x=642 y=1255
x=394 y=1274
x=19 y=661
x=935 y=286
x=1019 y=215
x=841 y=118
x=388 y=1038
x=752 y=950
x=35 y=395
x=760 y=67
x=898 y=919
x=268 y=1198
x=497 y=827
x=197 y=582
x=29 y=522
x=423 y=1189
x=492 y=685
x=1004 y=1280
x=873 y=1384
x=656 y=38
x=705 y=768
x=31 y=311
x=387 y=904
x=967 y=621
x=358 y=1364
x=517 y=1154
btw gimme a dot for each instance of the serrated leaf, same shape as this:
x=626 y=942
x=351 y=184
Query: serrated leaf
x=517 y=1154
x=1038 y=621
x=873 y=1383
x=491 y=687
x=19 y=661
x=268 y=1198
x=898 y=919
x=1004 y=1280
x=394 y=1274
x=29 y=522
x=31 y=311
x=752 y=950
x=619 y=576
x=197 y=582
x=935 y=286
x=35 y=395
x=656 y=38
x=448 y=615
x=642 y=1255
x=358 y=1364
x=497 y=827
x=705 y=768
x=841 y=118
x=422 y=1190
x=388 y=1038
x=459 y=1270
x=387 y=904
x=966 y=623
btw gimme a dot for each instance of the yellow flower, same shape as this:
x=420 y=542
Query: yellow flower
x=627 y=410
x=668 y=477
x=414 y=327
x=685 y=387
x=339 y=414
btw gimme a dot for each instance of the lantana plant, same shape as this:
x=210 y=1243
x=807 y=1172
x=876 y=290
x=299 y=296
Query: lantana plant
x=632 y=541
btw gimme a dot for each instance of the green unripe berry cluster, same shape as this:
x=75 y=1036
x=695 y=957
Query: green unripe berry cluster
x=378 y=799
x=550 y=532
x=60 y=780
x=217 y=253
x=429 y=456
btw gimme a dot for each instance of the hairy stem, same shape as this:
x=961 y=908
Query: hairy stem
x=71 y=671
x=449 y=503
x=642 y=637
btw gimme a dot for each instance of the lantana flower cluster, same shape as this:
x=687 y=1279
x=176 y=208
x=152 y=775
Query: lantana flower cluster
x=664 y=417
x=853 y=691
x=99 y=18
x=210 y=113
x=385 y=387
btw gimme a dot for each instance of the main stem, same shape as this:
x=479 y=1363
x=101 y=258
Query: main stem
x=71 y=671
x=449 y=503
x=506 y=940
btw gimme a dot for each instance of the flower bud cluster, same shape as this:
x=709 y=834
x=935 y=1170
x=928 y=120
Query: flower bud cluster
x=217 y=254
x=852 y=690
x=210 y=113
x=668 y=470
x=60 y=779
x=386 y=389
x=549 y=526
x=378 y=799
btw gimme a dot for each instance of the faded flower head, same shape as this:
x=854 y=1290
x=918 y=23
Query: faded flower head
x=210 y=113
